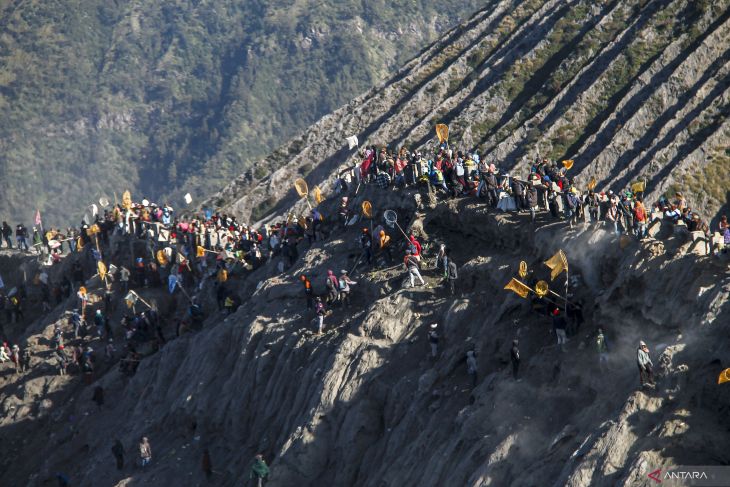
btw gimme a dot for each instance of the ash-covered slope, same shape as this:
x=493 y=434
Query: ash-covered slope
x=364 y=405
x=628 y=89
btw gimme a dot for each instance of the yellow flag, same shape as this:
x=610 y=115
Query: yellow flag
x=127 y=200
x=200 y=251
x=638 y=187
x=523 y=269
x=442 y=132
x=101 y=267
x=724 y=376
x=318 y=195
x=301 y=186
x=518 y=287
x=557 y=264
x=592 y=184
x=568 y=163
x=367 y=209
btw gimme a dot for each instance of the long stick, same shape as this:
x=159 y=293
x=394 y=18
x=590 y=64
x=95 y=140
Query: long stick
x=184 y=292
x=401 y=231
x=140 y=298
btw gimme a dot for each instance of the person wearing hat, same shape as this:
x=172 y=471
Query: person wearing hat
x=433 y=340
x=333 y=287
x=645 y=364
x=411 y=264
x=559 y=325
x=344 y=283
x=308 y=291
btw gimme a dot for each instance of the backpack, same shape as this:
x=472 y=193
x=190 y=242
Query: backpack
x=572 y=201
x=343 y=284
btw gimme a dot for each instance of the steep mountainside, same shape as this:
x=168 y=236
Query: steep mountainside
x=176 y=96
x=628 y=89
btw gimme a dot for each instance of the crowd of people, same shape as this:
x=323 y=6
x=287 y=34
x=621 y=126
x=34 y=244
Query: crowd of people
x=183 y=252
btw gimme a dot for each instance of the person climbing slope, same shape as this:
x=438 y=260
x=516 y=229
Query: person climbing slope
x=145 y=452
x=411 y=264
x=259 y=470
x=333 y=286
x=344 y=285
x=321 y=311
x=308 y=292
x=433 y=340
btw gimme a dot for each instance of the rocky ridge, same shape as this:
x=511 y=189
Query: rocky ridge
x=631 y=90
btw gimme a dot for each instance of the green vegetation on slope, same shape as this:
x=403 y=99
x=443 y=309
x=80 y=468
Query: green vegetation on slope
x=176 y=96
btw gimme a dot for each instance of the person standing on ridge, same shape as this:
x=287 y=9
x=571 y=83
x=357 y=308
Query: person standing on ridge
x=259 y=470
x=645 y=365
x=6 y=232
x=21 y=234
